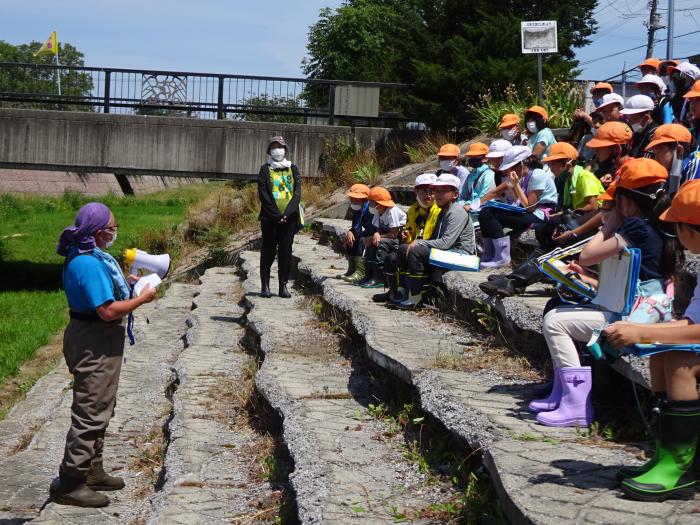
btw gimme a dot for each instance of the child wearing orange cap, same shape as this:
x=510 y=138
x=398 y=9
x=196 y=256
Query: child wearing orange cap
x=448 y=156
x=669 y=145
x=612 y=145
x=481 y=179
x=388 y=219
x=362 y=227
x=510 y=129
x=670 y=473
x=539 y=137
x=634 y=223
x=693 y=98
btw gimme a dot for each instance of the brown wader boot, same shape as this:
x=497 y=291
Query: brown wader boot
x=73 y=491
x=98 y=479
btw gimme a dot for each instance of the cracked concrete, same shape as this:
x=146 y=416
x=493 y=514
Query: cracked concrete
x=543 y=475
x=343 y=473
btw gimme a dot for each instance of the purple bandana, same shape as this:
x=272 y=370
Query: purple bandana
x=91 y=218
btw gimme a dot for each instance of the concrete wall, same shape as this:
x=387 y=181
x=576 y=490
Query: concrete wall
x=124 y=144
x=56 y=183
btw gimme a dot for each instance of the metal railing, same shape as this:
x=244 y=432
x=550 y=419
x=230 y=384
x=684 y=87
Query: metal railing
x=179 y=93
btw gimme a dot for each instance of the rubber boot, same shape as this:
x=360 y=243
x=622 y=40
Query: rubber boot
x=98 y=479
x=68 y=490
x=376 y=277
x=575 y=408
x=283 y=292
x=522 y=272
x=414 y=292
x=501 y=256
x=638 y=470
x=391 y=293
x=265 y=284
x=359 y=273
x=551 y=402
x=672 y=477
x=351 y=267
x=488 y=251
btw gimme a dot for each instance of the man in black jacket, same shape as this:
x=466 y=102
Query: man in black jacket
x=279 y=190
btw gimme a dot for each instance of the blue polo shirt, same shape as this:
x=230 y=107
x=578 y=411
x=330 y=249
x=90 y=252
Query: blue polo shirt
x=87 y=283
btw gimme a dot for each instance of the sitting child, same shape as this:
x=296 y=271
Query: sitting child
x=481 y=178
x=421 y=219
x=578 y=202
x=361 y=227
x=454 y=231
x=670 y=474
x=388 y=219
x=536 y=193
x=634 y=223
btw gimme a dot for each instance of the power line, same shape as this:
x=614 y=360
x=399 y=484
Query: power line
x=635 y=48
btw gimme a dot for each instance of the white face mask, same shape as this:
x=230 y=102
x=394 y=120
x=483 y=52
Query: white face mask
x=531 y=126
x=356 y=207
x=110 y=243
x=594 y=131
x=509 y=134
x=373 y=210
x=674 y=174
x=637 y=127
x=446 y=165
x=277 y=154
x=422 y=203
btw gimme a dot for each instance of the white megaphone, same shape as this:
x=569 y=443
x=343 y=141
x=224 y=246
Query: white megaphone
x=137 y=260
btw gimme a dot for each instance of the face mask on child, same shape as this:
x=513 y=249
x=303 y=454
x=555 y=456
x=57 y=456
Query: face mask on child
x=446 y=165
x=422 y=203
x=637 y=127
x=356 y=207
x=509 y=134
x=277 y=154
x=531 y=126
x=373 y=210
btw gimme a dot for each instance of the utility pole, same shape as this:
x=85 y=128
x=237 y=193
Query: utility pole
x=653 y=26
x=669 y=41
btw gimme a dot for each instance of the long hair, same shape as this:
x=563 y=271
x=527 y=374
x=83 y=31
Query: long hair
x=652 y=201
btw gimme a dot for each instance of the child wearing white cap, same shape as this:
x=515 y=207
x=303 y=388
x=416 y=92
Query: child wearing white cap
x=637 y=111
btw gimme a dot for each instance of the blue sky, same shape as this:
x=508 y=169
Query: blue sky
x=267 y=38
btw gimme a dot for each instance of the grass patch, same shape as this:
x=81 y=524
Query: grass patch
x=177 y=221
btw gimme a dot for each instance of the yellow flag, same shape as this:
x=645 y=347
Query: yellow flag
x=50 y=46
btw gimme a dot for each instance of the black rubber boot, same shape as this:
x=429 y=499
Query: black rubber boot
x=376 y=277
x=391 y=293
x=98 y=479
x=265 y=284
x=414 y=292
x=351 y=268
x=67 y=490
x=283 y=292
x=517 y=281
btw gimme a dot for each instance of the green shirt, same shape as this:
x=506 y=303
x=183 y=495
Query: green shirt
x=282 y=183
x=579 y=187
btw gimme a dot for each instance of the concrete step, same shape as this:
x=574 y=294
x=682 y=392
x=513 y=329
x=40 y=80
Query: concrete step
x=343 y=473
x=520 y=316
x=543 y=475
x=208 y=462
x=142 y=409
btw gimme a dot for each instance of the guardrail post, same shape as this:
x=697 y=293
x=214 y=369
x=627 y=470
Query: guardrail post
x=220 y=113
x=108 y=82
x=331 y=105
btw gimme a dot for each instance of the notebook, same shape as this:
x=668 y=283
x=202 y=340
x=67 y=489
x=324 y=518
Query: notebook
x=454 y=261
x=553 y=266
x=617 y=281
x=151 y=278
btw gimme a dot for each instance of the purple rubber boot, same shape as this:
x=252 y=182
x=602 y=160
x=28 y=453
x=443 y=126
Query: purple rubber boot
x=488 y=251
x=551 y=402
x=501 y=250
x=575 y=407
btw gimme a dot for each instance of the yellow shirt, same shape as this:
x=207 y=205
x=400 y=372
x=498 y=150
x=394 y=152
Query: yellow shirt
x=420 y=222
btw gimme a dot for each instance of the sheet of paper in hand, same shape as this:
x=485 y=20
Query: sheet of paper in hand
x=151 y=278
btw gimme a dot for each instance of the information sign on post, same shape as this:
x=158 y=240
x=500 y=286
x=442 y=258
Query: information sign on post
x=539 y=37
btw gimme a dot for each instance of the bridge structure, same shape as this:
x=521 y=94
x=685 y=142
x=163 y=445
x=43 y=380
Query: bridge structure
x=180 y=124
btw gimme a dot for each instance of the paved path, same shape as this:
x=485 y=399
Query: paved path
x=343 y=473
x=544 y=475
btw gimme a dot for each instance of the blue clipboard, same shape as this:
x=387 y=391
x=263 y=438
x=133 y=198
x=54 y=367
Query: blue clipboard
x=514 y=208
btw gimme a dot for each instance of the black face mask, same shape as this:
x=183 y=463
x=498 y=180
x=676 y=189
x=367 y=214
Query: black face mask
x=475 y=163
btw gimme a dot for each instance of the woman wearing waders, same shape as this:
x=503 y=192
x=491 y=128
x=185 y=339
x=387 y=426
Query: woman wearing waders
x=279 y=190
x=93 y=346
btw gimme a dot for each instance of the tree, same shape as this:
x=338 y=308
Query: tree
x=269 y=108
x=43 y=81
x=449 y=50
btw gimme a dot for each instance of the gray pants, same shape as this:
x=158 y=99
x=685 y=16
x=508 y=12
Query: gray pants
x=93 y=353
